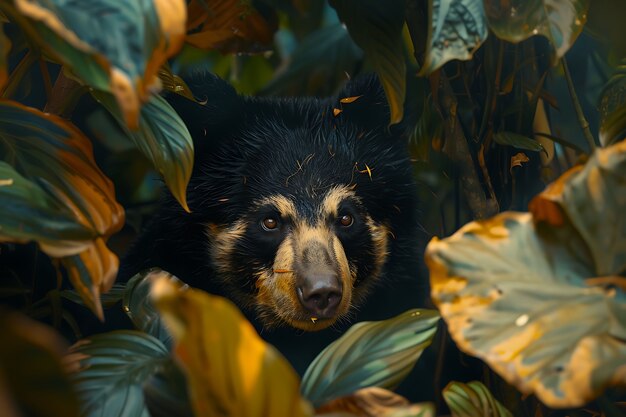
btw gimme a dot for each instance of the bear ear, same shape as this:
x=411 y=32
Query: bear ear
x=371 y=109
x=212 y=114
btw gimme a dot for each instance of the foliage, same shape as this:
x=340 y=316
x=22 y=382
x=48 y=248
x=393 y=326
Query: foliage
x=538 y=295
x=494 y=118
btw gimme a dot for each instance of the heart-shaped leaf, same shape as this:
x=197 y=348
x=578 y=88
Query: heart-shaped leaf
x=457 y=29
x=376 y=27
x=472 y=400
x=138 y=305
x=140 y=36
x=539 y=296
x=109 y=371
x=229 y=26
x=377 y=353
x=230 y=370
x=163 y=138
x=561 y=21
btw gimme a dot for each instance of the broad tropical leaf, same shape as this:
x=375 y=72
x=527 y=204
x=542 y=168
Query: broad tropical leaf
x=163 y=138
x=375 y=402
x=138 y=305
x=229 y=26
x=561 y=21
x=457 y=29
x=52 y=153
x=322 y=58
x=140 y=36
x=376 y=26
x=539 y=296
x=377 y=353
x=230 y=370
x=31 y=369
x=472 y=400
x=517 y=141
x=109 y=371
x=29 y=213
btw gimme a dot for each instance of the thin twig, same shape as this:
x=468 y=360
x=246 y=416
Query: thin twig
x=584 y=124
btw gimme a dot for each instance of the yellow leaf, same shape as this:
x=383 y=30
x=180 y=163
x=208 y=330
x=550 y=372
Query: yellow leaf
x=231 y=371
x=375 y=402
x=348 y=100
x=336 y=112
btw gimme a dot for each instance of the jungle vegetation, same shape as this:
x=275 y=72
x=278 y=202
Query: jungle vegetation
x=518 y=147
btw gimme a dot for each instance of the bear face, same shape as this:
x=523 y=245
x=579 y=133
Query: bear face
x=297 y=205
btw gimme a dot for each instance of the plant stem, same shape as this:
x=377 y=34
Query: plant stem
x=584 y=124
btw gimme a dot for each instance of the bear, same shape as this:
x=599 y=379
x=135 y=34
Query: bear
x=303 y=211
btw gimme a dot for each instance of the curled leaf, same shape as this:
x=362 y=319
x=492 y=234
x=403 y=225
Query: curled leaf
x=457 y=29
x=378 y=353
x=472 y=400
x=230 y=370
x=541 y=301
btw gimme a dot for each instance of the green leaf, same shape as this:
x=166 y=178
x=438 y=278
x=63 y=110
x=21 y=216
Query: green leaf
x=378 y=353
x=138 y=305
x=376 y=26
x=517 y=141
x=163 y=138
x=56 y=156
x=322 y=58
x=457 y=29
x=29 y=213
x=561 y=21
x=110 y=370
x=31 y=370
x=613 y=108
x=472 y=400
x=539 y=296
x=110 y=45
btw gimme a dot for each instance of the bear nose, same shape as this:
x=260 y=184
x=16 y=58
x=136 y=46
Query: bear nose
x=320 y=294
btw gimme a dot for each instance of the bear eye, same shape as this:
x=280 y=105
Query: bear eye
x=269 y=224
x=346 y=220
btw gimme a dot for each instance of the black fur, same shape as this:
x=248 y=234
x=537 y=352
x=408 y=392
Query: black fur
x=250 y=147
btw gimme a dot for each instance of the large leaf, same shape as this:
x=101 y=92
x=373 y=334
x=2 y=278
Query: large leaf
x=561 y=21
x=163 y=138
x=472 y=400
x=138 y=305
x=31 y=370
x=114 y=46
x=376 y=26
x=229 y=26
x=518 y=141
x=29 y=213
x=377 y=353
x=539 y=296
x=58 y=158
x=457 y=29
x=230 y=370
x=109 y=371
x=58 y=183
x=375 y=402
x=322 y=59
